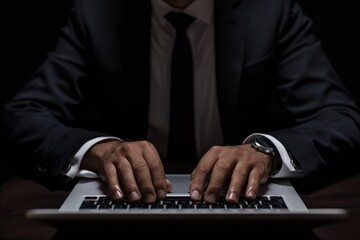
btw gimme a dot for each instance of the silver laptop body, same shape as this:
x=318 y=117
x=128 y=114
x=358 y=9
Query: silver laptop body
x=92 y=189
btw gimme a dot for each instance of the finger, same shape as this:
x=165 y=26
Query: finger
x=157 y=172
x=128 y=180
x=238 y=179
x=253 y=184
x=200 y=176
x=168 y=185
x=110 y=176
x=143 y=178
x=219 y=175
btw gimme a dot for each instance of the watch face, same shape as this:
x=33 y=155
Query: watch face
x=263 y=141
x=263 y=144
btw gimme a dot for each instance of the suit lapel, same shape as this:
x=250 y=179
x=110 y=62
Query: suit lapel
x=230 y=36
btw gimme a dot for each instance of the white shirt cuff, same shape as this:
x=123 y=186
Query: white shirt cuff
x=288 y=169
x=76 y=160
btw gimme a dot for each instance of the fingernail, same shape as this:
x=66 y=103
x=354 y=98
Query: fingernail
x=134 y=196
x=212 y=198
x=195 y=194
x=168 y=185
x=149 y=198
x=233 y=196
x=251 y=194
x=117 y=195
x=161 y=194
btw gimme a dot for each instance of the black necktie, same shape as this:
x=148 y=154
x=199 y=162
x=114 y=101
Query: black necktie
x=181 y=142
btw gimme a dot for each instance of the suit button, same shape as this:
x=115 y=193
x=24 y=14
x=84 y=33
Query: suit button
x=41 y=171
x=66 y=167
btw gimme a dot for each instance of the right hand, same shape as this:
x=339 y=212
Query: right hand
x=133 y=169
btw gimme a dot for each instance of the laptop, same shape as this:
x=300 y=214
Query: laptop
x=88 y=205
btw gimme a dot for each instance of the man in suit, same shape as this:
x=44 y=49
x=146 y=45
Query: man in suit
x=267 y=102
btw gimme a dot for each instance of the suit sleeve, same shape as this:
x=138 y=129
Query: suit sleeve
x=325 y=133
x=42 y=118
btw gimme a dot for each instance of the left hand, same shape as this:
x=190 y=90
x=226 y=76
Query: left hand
x=244 y=167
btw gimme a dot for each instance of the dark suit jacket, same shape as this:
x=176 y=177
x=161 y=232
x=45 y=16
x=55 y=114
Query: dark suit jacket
x=272 y=77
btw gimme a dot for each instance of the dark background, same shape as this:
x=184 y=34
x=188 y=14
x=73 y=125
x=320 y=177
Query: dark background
x=30 y=30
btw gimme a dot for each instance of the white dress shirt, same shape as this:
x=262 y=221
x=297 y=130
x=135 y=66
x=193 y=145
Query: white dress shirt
x=207 y=119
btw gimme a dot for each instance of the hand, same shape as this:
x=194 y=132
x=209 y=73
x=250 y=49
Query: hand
x=133 y=168
x=237 y=167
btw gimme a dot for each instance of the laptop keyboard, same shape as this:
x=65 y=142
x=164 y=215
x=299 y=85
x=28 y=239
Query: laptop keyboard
x=106 y=203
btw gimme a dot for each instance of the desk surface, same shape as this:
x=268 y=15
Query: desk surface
x=19 y=194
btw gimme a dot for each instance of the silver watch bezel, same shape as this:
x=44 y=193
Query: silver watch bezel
x=262 y=148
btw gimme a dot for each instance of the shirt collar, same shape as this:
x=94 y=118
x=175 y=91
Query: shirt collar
x=202 y=10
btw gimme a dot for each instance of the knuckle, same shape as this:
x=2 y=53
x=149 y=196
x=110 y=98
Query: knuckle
x=146 y=187
x=153 y=164
x=241 y=172
x=123 y=164
x=214 y=187
x=222 y=164
x=160 y=182
x=139 y=165
x=127 y=147
x=202 y=170
x=216 y=149
x=146 y=144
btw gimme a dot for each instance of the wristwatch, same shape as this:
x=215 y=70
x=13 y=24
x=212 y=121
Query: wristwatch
x=264 y=145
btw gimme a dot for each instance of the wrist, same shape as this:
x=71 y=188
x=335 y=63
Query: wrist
x=264 y=145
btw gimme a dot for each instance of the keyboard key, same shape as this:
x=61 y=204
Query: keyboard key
x=106 y=203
